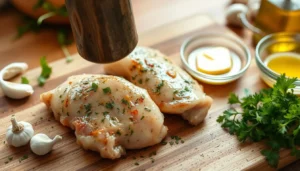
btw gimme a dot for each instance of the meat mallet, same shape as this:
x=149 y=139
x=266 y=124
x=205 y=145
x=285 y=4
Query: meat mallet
x=104 y=30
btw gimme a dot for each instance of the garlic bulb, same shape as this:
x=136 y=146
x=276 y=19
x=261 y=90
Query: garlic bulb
x=19 y=133
x=14 y=90
x=232 y=14
x=41 y=144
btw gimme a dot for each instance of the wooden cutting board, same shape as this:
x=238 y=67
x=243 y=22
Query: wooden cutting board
x=205 y=147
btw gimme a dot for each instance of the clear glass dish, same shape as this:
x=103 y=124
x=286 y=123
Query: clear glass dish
x=240 y=54
x=276 y=43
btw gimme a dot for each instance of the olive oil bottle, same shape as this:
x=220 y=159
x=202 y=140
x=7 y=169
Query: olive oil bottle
x=278 y=16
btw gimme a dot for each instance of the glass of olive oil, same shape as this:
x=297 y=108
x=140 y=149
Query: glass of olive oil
x=277 y=54
x=278 y=16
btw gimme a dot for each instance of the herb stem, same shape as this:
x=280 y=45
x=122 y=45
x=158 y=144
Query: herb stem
x=44 y=17
x=67 y=54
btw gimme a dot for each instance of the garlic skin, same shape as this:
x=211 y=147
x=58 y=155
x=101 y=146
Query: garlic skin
x=14 y=90
x=19 y=133
x=232 y=14
x=41 y=144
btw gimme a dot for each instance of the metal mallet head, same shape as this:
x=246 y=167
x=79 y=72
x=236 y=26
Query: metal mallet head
x=104 y=30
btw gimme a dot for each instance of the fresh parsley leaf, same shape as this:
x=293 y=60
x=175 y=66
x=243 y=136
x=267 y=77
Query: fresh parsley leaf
x=124 y=101
x=295 y=152
x=94 y=87
x=46 y=71
x=147 y=109
x=271 y=115
x=105 y=113
x=106 y=90
x=24 y=80
x=233 y=99
x=62 y=11
x=159 y=86
x=48 y=6
x=63 y=37
x=34 y=25
x=28 y=25
x=109 y=105
x=88 y=109
x=39 y=4
x=271 y=156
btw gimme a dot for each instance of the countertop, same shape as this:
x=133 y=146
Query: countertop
x=148 y=14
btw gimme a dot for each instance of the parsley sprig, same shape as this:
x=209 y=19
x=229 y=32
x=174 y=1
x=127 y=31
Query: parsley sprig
x=28 y=26
x=52 y=10
x=24 y=80
x=271 y=115
x=46 y=71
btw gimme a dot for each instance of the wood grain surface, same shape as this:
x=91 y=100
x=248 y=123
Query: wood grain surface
x=205 y=147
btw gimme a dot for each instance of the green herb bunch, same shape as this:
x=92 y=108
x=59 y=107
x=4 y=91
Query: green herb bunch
x=35 y=25
x=271 y=115
x=52 y=10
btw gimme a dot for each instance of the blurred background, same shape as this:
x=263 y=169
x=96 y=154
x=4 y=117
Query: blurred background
x=19 y=31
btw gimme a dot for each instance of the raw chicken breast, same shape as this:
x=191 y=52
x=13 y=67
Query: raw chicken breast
x=108 y=113
x=171 y=88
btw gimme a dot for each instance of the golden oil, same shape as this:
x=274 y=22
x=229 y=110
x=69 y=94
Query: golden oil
x=283 y=46
x=278 y=16
x=284 y=63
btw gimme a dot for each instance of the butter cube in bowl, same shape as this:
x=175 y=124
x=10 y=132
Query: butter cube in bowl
x=215 y=58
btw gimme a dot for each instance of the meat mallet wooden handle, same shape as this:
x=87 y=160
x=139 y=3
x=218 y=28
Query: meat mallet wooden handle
x=104 y=30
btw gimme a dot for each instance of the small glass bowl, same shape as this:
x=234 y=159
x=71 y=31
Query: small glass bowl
x=276 y=43
x=237 y=49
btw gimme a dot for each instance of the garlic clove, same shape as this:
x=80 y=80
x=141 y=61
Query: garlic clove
x=19 y=133
x=41 y=144
x=232 y=14
x=13 y=70
x=14 y=90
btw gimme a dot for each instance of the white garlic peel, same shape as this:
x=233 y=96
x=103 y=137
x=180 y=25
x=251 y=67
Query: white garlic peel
x=232 y=14
x=19 y=133
x=41 y=144
x=14 y=90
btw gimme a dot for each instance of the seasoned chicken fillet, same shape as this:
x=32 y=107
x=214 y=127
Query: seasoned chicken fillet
x=171 y=88
x=108 y=113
